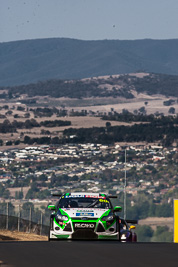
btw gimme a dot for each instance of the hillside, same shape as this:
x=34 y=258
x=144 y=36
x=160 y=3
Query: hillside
x=124 y=86
x=29 y=61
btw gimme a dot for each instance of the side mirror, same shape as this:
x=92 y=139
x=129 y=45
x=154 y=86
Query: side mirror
x=117 y=209
x=51 y=207
x=132 y=227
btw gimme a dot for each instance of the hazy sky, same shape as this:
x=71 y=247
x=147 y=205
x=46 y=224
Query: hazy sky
x=88 y=19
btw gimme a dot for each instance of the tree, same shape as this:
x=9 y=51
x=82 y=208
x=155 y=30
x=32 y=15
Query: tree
x=125 y=111
x=17 y=142
x=6 y=107
x=135 y=111
x=10 y=95
x=164 y=210
x=144 y=233
x=3 y=208
x=28 y=205
x=44 y=194
x=162 y=234
x=19 y=194
x=4 y=192
x=20 y=108
x=171 y=110
x=32 y=191
x=9 y=143
x=42 y=177
x=108 y=124
x=168 y=102
x=142 y=110
x=26 y=209
x=27 y=139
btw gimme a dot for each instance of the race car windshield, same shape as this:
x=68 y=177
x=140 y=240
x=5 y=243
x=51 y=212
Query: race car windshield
x=81 y=202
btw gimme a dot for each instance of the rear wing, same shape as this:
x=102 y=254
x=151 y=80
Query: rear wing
x=59 y=195
x=56 y=194
x=132 y=221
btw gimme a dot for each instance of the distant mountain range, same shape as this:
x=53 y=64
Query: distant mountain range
x=25 y=62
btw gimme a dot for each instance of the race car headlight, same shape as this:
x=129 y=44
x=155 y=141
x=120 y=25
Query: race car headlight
x=108 y=218
x=61 y=217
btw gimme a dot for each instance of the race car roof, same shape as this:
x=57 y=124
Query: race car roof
x=85 y=194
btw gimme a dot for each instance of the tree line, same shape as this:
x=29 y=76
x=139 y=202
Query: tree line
x=164 y=132
x=151 y=132
x=118 y=87
x=10 y=127
x=127 y=116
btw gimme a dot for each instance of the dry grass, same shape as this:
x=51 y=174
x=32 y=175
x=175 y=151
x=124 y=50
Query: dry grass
x=155 y=104
x=6 y=235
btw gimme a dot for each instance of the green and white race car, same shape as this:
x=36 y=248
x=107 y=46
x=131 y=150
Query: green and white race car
x=84 y=216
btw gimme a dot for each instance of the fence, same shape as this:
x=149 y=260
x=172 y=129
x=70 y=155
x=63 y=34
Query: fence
x=31 y=221
x=15 y=223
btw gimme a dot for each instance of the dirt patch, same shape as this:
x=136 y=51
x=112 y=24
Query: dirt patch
x=6 y=235
x=18 y=189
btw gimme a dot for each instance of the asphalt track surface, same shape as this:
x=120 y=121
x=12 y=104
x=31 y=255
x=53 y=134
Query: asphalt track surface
x=87 y=253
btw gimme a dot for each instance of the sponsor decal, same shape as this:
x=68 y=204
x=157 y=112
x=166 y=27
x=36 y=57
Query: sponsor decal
x=84 y=225
x=104 y=200
x=84 y=214
x=85 y=210
x=87 y=196
x=74 y=196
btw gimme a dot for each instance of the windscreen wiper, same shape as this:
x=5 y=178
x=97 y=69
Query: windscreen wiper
x=92 y=204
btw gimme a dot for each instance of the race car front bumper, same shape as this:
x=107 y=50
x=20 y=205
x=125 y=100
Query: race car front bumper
x=78 y=230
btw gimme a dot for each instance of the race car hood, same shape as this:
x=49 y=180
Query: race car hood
x=84 y=212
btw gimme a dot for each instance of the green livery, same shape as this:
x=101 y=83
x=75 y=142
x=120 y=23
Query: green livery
x=84 y=216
